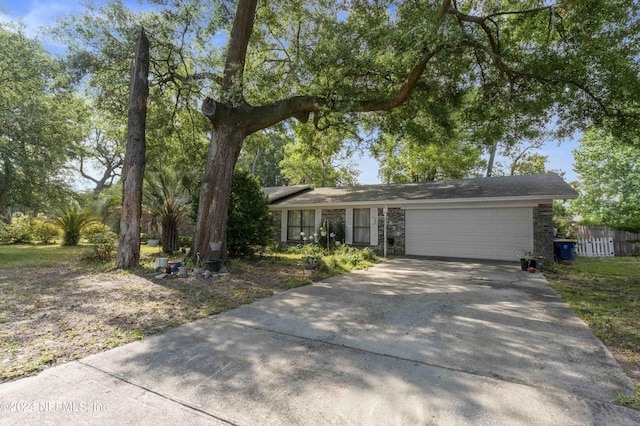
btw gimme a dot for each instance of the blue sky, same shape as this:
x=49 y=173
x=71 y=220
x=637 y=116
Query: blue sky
x=36 y=13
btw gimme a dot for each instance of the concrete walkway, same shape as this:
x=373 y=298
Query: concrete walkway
x=407 y=342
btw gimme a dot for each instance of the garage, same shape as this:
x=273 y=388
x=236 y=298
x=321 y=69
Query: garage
x=478 y=233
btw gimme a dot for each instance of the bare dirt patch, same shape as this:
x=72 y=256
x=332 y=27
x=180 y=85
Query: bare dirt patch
x=50 y=316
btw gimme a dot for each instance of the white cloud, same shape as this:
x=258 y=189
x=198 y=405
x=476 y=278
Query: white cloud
x=38 y=14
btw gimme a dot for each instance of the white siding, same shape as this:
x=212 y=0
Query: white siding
x=284 y=225
x=348 y=225
x=373 y=238
x=489 y=233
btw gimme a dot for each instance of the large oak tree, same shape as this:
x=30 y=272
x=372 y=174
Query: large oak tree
x=537 y=57
x=503 y=66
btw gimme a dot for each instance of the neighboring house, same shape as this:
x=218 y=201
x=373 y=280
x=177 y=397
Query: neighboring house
x=486 y=218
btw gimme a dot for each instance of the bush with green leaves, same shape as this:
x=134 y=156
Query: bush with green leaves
x=249 y=222
x=46 y=232
x=20 y=230
x=73 y=220
x=103 y=248
x=94 y=231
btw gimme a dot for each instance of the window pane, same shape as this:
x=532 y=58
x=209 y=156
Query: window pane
x=361 y=226
x=309 y=222
x=293 y=224
x=361 y=235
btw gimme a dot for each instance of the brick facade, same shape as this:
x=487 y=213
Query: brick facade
x=395 y=229
x=277 y=225
x=543 y=231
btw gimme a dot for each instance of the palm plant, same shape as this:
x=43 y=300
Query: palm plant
x=72 y=220
x=167 y=201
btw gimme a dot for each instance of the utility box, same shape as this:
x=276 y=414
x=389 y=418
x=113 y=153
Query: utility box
x=565 y=249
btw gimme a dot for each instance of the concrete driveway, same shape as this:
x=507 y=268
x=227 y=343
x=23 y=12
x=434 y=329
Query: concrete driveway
x=410 y=341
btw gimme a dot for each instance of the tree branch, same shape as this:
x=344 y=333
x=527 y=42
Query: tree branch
x=238 y=42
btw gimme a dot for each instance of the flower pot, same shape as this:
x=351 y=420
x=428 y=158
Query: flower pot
x=215 y=246
x=323 y=233
x=161 y=262
x=524 y=264
x=174 y=266
x=197 y=272
x=153 y=242
x=212 y=265
x=183 y=272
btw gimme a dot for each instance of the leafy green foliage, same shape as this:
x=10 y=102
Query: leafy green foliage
x=42 y=122
x=410 y=160
x=168 y=200
x=94 y=231
x=20 y=230
x=46 y=232
x=609 y=173
x=73 y=220
x=262 y=154
x=103 y=247
x=249 y=223
x=321 y=159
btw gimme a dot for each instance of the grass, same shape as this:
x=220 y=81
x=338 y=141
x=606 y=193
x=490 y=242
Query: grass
x=56 y=308
x=605 y=293
x=37 y=255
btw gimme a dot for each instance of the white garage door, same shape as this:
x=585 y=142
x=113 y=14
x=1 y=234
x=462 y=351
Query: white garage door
x=498 y=233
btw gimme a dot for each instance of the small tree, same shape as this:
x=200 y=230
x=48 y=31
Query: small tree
x=72 y=221
x=250 y=223
x=168 y=201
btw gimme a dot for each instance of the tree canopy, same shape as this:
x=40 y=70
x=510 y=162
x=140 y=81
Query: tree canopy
x=41 y=124
x=489 y=70
x=609 y=186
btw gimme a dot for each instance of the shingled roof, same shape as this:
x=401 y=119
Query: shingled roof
x=547 y=186
x=276 y=193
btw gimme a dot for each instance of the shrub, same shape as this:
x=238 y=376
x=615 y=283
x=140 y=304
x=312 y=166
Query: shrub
x=94 y=231
x=20 y=230
x=46 y=232
x=185 y=241
x=73 y=221
x=104 y=247
x=249 y=220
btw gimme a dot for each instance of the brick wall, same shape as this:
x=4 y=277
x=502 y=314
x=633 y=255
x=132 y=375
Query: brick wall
x=395 y=228
x=277 y=225
x=395 y=231
x=543 y=231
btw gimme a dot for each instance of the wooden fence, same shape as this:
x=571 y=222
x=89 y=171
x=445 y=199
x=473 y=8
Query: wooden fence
x=624 y=243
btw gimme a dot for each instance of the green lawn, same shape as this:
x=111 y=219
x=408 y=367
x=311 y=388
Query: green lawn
x=36 y=255
x=605 y=293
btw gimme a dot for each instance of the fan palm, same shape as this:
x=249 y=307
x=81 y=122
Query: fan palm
x=72 y=220
x=168 y=201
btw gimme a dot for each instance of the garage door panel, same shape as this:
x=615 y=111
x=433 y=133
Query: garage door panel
x=500 y=233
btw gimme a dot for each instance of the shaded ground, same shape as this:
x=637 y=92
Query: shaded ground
x=605 y=293
x=50 y=316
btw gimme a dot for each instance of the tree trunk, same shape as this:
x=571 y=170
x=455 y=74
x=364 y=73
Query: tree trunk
x=492 y=156
x=128 y=255
x=170 y=235
x=211 y=226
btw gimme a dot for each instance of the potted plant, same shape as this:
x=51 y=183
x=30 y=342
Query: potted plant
x=310 y=263
x=183 y=270
x=154 y=239
x=197 y=269
x=323 y=228
x=529 y=260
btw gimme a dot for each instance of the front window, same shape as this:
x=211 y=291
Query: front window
x=301 y=221
x=361 y=226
